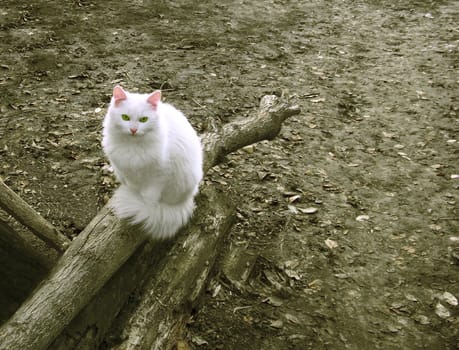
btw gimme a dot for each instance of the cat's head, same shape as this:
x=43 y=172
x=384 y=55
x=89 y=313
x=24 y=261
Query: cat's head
x=134 y=114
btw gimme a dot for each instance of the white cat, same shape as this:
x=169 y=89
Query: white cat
x=157 y=156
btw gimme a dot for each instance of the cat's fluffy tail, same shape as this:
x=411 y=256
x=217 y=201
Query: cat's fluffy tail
x=159 y=219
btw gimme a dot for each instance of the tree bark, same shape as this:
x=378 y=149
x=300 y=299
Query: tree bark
x=99 y=251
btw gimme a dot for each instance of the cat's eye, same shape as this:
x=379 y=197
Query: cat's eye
x=143 y=119
x=125 y=117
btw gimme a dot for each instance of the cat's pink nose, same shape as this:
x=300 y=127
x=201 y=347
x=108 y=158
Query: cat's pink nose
x=133 y=130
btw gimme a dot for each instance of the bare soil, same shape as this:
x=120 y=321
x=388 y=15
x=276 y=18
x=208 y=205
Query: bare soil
x=346 y=222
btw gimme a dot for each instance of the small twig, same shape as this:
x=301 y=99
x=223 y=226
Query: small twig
x=200 y=105
x=237 y=308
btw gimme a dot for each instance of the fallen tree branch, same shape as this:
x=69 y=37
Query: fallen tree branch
x=21 y=211
x=106 y=243
x=210 y=224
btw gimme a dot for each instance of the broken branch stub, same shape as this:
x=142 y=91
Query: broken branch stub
x=265 y=125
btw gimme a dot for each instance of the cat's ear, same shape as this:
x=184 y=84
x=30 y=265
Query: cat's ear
x=154 y=99
x=118 y=94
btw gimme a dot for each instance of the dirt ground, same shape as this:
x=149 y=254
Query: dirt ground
x=346 y=222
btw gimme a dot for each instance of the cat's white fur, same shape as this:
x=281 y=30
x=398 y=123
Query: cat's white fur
x=158 y=162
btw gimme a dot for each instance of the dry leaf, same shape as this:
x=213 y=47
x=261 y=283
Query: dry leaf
x=362 y=218
x=249 y=149
x=292 y=318
x=449 y=298
x=422 y=319
x=317 y=100
x=310 y=210
x=294 y=198
x=331 y=243
x=198 y=340
x=277 y=324
x=442 y=311
x=274 y=301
